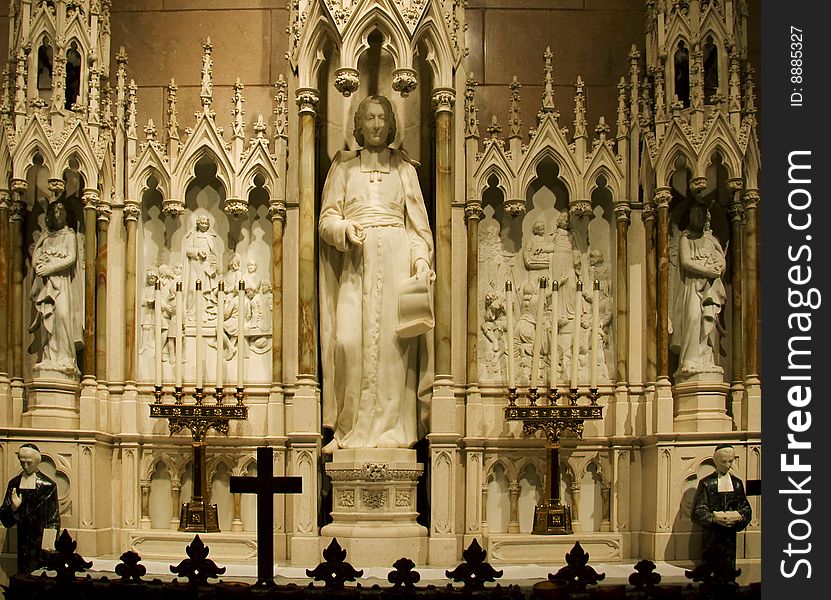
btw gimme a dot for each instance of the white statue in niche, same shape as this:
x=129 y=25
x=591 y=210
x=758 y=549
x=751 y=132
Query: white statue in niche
x=493 y=329
x=537 y=251
x=699 y=296
x=148 y=307
x=58 y=295
x=233 y=274
x=374 y=235
x=201 y=247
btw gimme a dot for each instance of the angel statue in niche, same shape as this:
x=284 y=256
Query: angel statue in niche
x=375 y=238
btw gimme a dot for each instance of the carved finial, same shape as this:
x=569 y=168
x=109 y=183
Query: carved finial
x=494 y=129
x=238 y=112
x=548 y=78
x=172 y=114
x=94 y=103
x=131 y=110
x=735 y=84
x=514 y=121
x=6 y=103
x=602 y=130
x=280 y=114
x=121 y=58
x=697 y=78
x=259 y=128
x=660 y=100
x=207 y=91
x=471 y=121
x=150 y=131
x=622 y=121
x=579 y=109
x=749 y=93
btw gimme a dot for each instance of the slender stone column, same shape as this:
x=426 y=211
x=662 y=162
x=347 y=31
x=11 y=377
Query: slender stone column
x=513 y=498
x=236 y=523
x=5 y=201
x=473 y=212
x=307 y=101
x=145 y=504
x=17 y=209
x=751 y=409
x=662 y=198
x=648 y=215
x=622 y=294
x=443 y=100
x=277 y=214
x=132 y=211
x=90 y=198
x=175 y=501
x=575 y=507
x=751 y=203
x=736 y=212
x=443 y=436
x=103 y=211
x=304 y=436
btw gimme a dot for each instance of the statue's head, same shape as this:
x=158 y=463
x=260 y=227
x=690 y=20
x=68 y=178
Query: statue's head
x=56 y=217
x=151 y=277
x=203 y=223
x=723 y=458
x=538 y=228
x=373 y=118
x=29 y=457
x=595 y=257
x=252 y=266
x=562 y=220
x=699 y=216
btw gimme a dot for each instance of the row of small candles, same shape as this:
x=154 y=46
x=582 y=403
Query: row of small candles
x=179 y=337
x=554 y=333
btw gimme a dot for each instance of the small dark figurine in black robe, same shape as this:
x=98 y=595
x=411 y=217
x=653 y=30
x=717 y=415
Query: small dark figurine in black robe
x=721 y=509
x=31 y=503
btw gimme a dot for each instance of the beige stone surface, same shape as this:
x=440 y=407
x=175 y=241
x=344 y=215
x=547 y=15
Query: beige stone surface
x=475 y=61
x=591 y=44
x=540 y=4
x=175 y=48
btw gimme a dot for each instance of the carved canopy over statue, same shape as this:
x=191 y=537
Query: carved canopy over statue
x=374 y=234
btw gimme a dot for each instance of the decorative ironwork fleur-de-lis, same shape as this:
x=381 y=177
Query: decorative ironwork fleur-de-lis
x=198 y=568
x=65 y=561
x=404 y=575
x=130 y=569
x=334 y=571
x=474 y=572
x=577 y=572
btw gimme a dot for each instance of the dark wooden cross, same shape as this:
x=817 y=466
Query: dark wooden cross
x=265 y=485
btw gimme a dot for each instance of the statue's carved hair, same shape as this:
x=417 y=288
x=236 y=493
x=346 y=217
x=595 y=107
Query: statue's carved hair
x=360 y=114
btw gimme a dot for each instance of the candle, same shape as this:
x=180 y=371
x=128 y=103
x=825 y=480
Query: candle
x=509 y=308
x=240 y=332
x=157 y=331
x=180 y=324
x=535 y=352
x=575 y=345
x=595 y=337
x=555 y=317
x=198 y=299
x=220 y=322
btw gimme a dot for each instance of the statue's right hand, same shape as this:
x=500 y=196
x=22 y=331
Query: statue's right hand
x=355 y=233
x=16 y=499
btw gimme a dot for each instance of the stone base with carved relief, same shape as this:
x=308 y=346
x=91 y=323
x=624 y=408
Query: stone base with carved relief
x=374 y=506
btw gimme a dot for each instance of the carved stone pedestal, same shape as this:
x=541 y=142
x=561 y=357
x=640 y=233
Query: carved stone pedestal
x=374 y=506
x=702 y=403
x=52 y=402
